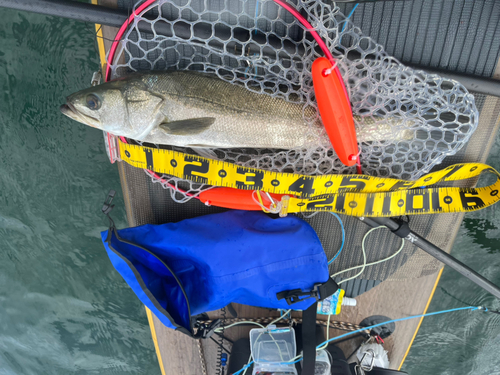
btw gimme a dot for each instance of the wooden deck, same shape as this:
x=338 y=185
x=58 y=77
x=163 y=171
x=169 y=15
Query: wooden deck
x=179 y=354
x=396 y=297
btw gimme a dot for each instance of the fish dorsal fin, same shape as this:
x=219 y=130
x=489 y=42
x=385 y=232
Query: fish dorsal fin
x=187 y=127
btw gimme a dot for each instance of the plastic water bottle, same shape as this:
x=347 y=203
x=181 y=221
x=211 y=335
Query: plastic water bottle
x=333 y=304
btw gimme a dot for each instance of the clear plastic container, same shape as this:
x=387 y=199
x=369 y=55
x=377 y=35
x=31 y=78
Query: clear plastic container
x=322 y=366
x=270 y=348
x=322 y=363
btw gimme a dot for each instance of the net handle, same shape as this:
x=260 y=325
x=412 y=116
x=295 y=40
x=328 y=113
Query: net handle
x=119 y=36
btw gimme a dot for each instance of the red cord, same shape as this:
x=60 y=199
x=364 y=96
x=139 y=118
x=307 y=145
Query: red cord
x=379 y=340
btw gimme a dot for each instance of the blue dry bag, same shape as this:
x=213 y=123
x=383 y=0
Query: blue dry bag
x=180 y=270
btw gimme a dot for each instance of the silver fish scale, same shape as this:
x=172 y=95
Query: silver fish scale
x=426 y=116
x=243 y=119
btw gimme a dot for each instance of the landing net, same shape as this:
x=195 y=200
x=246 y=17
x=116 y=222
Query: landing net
x=407 y=121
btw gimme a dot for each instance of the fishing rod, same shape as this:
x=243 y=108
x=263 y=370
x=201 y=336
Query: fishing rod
x=116 y=18
x=401 y=229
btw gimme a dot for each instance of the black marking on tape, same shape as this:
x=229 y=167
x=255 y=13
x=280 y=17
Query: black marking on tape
x=386 y=206
x=370 y=199
x=149 y=159
x=470 y=199
x=452 y=170
x=320 y=202
x=303 y=185
x=436 y=205
x=190 y=169
x=410 y=200
x=339 y=205
x=402 y=185
x=353 y=183
x=253 y=179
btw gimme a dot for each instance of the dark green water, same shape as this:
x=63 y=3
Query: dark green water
x=63 y=307
x=64 y=310
x=464 y=342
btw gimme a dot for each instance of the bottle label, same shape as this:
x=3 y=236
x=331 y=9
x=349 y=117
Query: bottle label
x=332 y=304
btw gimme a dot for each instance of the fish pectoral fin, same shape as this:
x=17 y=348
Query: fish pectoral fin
x=188 y=127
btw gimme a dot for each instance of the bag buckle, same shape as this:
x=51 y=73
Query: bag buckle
x=294 y=295
x=320 y=291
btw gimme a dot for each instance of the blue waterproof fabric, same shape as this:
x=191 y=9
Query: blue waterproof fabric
x=237 y=256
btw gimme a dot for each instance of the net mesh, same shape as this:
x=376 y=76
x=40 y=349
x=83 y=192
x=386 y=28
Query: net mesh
x=418 y=119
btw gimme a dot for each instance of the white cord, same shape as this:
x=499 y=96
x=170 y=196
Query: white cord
x=274 y=321
x=248 y=363
x=327 y=333
x=281 y=317
x=237 y=323
x=274 y=207
x=364 y=265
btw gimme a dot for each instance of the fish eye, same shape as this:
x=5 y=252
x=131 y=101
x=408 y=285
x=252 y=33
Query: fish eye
x=93 y=102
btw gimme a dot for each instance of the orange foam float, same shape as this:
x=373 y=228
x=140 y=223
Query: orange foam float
x=335 y=111
x=235 y=198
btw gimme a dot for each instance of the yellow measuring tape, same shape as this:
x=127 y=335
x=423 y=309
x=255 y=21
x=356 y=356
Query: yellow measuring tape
x=355 y=195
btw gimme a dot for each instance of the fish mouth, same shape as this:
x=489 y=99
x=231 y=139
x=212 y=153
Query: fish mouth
x=70 y=110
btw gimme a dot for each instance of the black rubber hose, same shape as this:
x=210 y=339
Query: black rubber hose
x=437 y=253
x=481 y=85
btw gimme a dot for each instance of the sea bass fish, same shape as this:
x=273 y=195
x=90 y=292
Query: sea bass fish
x=198 y=110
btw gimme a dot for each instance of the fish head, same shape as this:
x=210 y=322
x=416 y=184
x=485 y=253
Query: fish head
x=124 y=107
